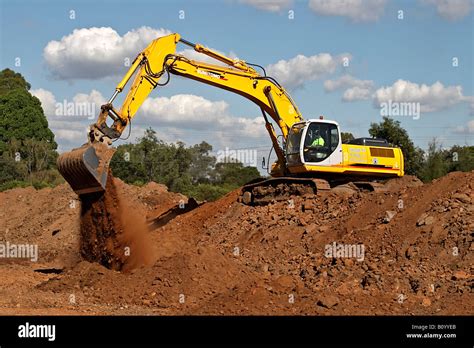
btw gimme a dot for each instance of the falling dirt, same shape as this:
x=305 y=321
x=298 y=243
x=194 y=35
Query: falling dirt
x=226 y=258
x=112 y=232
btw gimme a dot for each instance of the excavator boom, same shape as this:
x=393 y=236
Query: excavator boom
x=85 y=168
x=312 y=154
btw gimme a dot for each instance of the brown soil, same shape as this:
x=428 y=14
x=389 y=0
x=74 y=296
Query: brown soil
x=113 y=233
x=228 y=258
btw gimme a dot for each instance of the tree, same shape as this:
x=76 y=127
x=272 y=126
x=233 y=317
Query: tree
x=234 y=173
x=27 y=146
x=345 y=137
x=435 y=164
x=392 y=131
x=460 y=158
x=190 y=170
x=202 y=163
x=10 y=80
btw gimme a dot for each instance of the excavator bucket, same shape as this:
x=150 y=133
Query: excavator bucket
x=86 y=168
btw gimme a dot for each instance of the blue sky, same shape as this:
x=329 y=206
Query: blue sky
x=418 y=50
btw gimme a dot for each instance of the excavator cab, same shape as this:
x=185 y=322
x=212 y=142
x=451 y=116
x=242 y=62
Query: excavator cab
x=315 y=141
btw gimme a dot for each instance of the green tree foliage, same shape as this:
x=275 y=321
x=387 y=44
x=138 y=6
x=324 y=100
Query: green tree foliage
x=190 y=170
x=435 y=164
x=235 y=173
x=10 y=80
x=460 y=158
x=346 y=136
x=438 y=162
x=202 y=163
x=27 y=146
x=392 y=131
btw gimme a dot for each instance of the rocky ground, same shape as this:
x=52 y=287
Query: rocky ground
x=412 y=250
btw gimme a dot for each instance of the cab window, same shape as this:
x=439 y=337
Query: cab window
x=321 y=140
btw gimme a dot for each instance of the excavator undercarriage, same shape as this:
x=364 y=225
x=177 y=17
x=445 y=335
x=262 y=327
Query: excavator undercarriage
x=266 y=191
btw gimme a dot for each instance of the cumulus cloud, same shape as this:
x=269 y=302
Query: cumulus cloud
x=47 y=99
x=467 y=129
x=269 y=5
x=195 y=113
x=184 y=117
x=356 y=93
x=431 y=98
x=295 y=72
x=354 y=89
x=452 y=10
x=201 y=57
x=356 y=10
x=93 y=53
x=81 y=106
x=69 y=118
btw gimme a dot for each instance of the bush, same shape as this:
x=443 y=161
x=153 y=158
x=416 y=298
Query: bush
x=209 y=192
x=13 y=184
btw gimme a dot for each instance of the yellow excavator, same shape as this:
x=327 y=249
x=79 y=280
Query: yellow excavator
x=310 y=153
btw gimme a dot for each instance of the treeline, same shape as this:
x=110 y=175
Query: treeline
x=426 y=165
x=439 y=162
x=27 y=147
x=28 y=152
x=192 y=171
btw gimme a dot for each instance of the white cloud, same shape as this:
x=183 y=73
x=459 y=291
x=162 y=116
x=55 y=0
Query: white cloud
x=47 y=99
x=431 y=98
x=93 y=53
x=356 y=93
x=71 y=136
x=357 y=10
x=195 y=113
x=354 y=89
x=184 y=117
x=452 y=9
x=94 y=97
x=294 y=73
x=467 y=129
x=269 y=5
x=192 y=54
x=70 y=125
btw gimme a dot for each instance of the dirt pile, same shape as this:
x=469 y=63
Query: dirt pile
x=405 y=250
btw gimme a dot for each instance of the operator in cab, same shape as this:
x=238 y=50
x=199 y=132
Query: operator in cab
x=318 y=140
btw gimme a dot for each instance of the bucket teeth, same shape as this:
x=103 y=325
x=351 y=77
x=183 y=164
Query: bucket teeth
x=85 y=168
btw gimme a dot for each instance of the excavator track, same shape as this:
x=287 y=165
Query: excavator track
x=265 y=191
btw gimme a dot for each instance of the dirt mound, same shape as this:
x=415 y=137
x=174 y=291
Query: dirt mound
x=405 y=250
x=403 y=183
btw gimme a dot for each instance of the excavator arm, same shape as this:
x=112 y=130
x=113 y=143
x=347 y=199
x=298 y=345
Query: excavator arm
x=152 y=68
x=159 y=60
